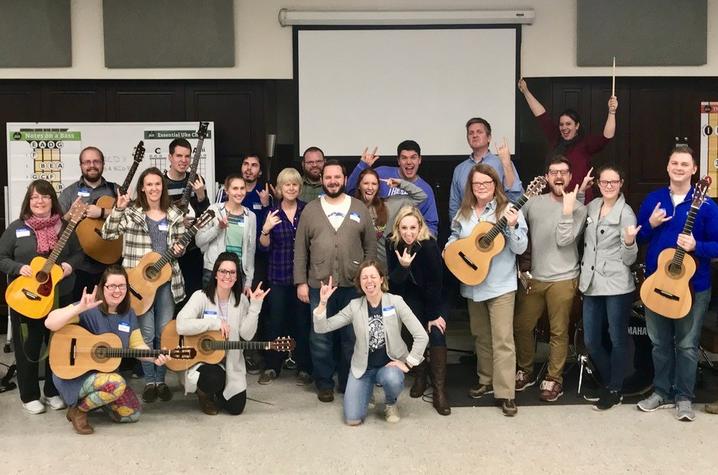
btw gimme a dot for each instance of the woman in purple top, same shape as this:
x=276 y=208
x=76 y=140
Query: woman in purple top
x=286 y=313
x=568 y=138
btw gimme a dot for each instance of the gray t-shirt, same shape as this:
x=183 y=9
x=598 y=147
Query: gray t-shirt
x=158 y=233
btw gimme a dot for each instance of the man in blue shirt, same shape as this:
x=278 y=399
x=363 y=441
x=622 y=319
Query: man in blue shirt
x=478 y=135
x=409 y=159
x=675 y=342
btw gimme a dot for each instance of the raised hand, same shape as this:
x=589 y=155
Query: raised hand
x=271 y=221
x=405 y=259
x=264 y=195
x=587 y=181
x=569 y=200
x=88 y=301
x=658 y=216
x=122 y=200
x=630 y=233
x=522 y=86
x=369 y=158
x=502 y=150
x=512 y=216
x=612 y=105
x=198 y=187
x=258 y=293
x=326 y=291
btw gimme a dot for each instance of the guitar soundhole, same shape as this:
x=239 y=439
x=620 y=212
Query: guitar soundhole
x=481 y=244
x=675 y=270
x=101 y=353
x=206 y=345
x=150 y=273
x=42 y=277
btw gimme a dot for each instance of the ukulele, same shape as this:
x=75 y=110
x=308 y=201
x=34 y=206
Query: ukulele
x=211 y=346
x=183 y=202
x=89 y=231
x=154 y=269
x=469 y=258
x=74 y=351
x=666 y=291
x=34 y=296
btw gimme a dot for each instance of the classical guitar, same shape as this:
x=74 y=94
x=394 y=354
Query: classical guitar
x=89 y=231
x=211 y=346
x=74 y=351
x=666 y=291
x=183 y=202
x=34 y=296
x=469 y=258
x=154 y=269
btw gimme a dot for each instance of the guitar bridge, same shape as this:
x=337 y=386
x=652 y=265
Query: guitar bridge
x=667 y=295
x=468 y=261
x=31 y=295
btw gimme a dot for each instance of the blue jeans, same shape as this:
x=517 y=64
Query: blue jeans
x=359 y=391
x=151 y=325
x=613 y=310
x=675 y=349
x=325 y=359
x=288 y=316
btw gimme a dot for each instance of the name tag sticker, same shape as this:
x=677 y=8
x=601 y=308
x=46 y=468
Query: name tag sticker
x=257 y=206
x=124 y=327
x=22 y=232
x=210 y=314
x=389 y=311
x=83 y=194
x=354 y=216
x=589 y=220
x=163 y=227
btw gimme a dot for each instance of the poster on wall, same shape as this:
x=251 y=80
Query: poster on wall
x=709 y=144
x=51 y=151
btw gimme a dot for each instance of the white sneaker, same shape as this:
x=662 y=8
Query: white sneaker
x=391 y=413
x=34 y=407
x=55 y=402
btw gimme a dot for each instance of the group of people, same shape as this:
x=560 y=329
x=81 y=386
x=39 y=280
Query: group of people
x=349 y=265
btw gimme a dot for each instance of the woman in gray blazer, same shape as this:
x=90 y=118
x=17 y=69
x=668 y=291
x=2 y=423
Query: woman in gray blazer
x=606 y=281
x=380 y=355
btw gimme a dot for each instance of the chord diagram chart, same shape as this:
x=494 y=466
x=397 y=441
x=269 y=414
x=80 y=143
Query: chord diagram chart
x=709 y=144
x=47 y=162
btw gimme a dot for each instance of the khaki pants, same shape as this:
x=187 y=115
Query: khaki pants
x=558 y=297
x=492 y=326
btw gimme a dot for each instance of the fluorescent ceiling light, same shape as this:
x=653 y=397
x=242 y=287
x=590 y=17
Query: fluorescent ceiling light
x=395 y=17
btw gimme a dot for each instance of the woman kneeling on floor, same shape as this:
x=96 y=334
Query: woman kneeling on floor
x=221 y=306
x=110 y=314
x=380 y=355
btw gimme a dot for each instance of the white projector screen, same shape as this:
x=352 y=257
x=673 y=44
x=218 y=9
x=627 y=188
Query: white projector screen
x=377 y=87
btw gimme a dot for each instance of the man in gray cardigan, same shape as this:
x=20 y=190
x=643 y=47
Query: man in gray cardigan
x=335 y=234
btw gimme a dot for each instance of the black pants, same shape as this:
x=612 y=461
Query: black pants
x=212 y=378
x=191 y=265
x=288 y=316
x=84 y=280
x=415 y=300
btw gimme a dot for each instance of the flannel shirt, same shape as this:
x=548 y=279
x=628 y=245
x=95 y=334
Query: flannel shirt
x=281 y=246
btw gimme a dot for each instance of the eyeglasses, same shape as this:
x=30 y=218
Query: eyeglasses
x=558 y=172
x=40 y=198
x=607 y=183
x=227 y=273
x=482 y=184
x=116 y=287
x=87 y=163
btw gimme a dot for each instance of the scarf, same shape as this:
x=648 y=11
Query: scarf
x=564 y=145
x=46 y=230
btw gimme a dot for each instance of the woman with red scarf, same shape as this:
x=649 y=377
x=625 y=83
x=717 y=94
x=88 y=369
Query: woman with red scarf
x=35 y=234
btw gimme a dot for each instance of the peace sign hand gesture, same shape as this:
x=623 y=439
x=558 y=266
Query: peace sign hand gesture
x=405 y=259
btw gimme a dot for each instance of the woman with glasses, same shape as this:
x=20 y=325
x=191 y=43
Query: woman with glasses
x=35 y=234
x=105 y=310
x=491 y=303
x=152 y=223
x=568 y=139
x=221 y=306
x=606 y=281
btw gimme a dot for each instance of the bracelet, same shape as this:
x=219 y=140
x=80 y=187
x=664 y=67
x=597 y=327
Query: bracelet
x=263 y=233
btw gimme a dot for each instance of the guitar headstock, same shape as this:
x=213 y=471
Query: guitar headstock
x=536 y=186
x=284 y=343
x=202 y=131
x=77 y=211
x=204 y=219
x=700 y=191
x=183 y=353
x=139 y=153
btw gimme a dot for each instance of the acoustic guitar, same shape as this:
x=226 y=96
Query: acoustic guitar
x=469 y=258
x=74 y=351
x=211 y=346
x=183 y=202
x=89 y=231
x=34 y=296
x=154 y=269
x=666 y=291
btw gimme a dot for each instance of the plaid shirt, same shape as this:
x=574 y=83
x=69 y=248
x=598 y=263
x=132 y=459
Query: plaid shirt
x=130 y=224
x=281 y=246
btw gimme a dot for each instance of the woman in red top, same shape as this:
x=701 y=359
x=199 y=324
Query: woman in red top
x=567 y=139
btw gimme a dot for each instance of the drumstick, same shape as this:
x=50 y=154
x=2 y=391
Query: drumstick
x=613 y=78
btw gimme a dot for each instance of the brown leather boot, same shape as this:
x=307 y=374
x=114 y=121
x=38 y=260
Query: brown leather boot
x=437 y=362
x=79 y=420
x=206 y=403
x=419 y=386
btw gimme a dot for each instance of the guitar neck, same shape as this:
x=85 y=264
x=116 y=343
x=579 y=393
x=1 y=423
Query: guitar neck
x=128 y=179
x=677 y=260
x=184 y=200
x=239 y=345
x=501 y=223
x=59 y=246
x=133 y=353
x=168 y=255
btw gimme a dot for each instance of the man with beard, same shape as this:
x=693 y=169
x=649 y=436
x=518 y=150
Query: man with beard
x=335 y=234
x=312 y=164
x=478 y=135
x=556 y=220
x=409 y=159
x=90 y=187
x=180 y=157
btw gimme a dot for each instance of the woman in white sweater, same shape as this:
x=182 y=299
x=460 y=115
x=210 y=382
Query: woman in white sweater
x=221 y=306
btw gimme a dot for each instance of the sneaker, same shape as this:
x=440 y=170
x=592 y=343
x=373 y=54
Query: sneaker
x=608 y=400
x=550 y=390
x=480 y=390
x=149 y=394
x=304 y=379
x=591 y=395
x=524 y=380
x=289 y=364
x=34 y=407
x=653 y=402
x=684 y=411
x=325 y=395
x=55 y=402
x=163 y=392
x=391 y=413
x=508 y=407
x=712 y=408
x=267 y=376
